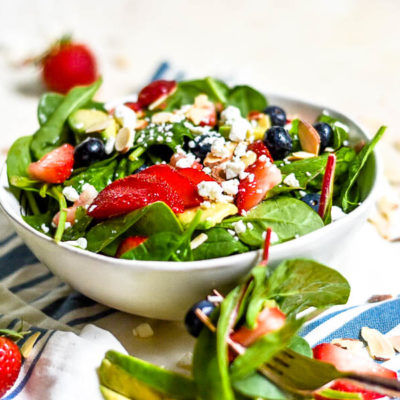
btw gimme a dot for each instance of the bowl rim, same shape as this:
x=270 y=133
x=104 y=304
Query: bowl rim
x=277 y=251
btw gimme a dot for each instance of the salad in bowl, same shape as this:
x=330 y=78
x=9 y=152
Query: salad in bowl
x=188 y=171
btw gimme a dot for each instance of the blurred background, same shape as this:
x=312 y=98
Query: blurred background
x=343 y=53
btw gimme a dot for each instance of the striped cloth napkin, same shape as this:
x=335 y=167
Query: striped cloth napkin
x=74 y=331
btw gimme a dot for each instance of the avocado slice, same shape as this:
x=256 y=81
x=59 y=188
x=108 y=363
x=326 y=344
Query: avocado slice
x=80 y=121
x=263 y=123
x=109 y=394
x=210 y=216
x=139 y=380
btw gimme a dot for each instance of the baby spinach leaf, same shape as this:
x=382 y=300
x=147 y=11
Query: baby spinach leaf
x=19 y=158
x=218 y=244
x=158 y=135
x=78 y=229
x=40 y=221
x=246 y=99
x=49 y=135
x=264 y=349
x=48 y=103
x=287 y=216
x=159 y=218
x=340 y=129
x=300 y=283
x=301 y=346
x=139 y=379
x=346 y=197
x=99 y=175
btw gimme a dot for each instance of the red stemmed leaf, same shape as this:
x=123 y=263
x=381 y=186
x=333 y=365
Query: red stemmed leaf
x=327 y=187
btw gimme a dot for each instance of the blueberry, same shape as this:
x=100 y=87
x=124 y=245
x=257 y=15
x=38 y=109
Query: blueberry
x=312 y=199
x=89 y=151
x=277 y=115
x=201 y=145
x=192 y=322
x=140 y=169
x=278 y=141
x=325 y=132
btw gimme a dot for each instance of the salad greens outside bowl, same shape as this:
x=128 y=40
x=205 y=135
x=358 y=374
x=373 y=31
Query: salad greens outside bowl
x=165 y=289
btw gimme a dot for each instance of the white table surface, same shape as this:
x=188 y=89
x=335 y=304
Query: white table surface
x=345 y=54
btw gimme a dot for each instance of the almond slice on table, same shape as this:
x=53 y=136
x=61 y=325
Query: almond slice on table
x=124 y=139
x=379 y=346
x=309 y=138
x=28 y=345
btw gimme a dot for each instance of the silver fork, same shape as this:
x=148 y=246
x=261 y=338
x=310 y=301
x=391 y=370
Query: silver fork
x=303 y=376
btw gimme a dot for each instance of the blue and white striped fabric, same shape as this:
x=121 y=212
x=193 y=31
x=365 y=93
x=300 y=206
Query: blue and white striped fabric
x=63 y=362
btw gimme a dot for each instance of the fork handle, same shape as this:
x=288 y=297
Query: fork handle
x=389 y=387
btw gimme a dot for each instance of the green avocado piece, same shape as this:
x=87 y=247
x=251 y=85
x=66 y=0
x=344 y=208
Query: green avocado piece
x=139 y=380
x=80 y=121
x=225 y=130
x=210 y=216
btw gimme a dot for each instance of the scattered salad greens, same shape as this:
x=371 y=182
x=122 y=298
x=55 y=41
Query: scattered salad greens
x=193 y=148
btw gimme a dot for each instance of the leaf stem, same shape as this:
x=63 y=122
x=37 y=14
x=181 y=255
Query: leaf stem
x=63 y=215
x=32 y=203
x=134 y=156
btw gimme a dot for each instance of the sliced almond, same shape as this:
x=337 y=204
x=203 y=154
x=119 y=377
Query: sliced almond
x=198 y=241
x=352 y=345
x=396 y=145
x=300 y=155
x=162 y=118
x=309 y=138
x=124 y=140
x=218 y=173
x=395 y=342
x=388 y=205
x=379 y=346
x=99 y=126
x=249 y=158
x=141 y=124
x=379 y=297
x=28 y=345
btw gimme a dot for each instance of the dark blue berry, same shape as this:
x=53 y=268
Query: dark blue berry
x=192 y=322
x=278 y=141
x=312 y=199
x=277 y=115
x=140 y=169
x=325 y=132
x=201 y=145
x=89 y=151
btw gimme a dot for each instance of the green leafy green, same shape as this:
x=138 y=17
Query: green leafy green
x=219 y=243
x=158 y=216
x=246 y=99
x=49 y=135
x=287 y=216
x=347 y=198
x=19 y=158
x=40 y=221
x=340 y=130
x=78 y=229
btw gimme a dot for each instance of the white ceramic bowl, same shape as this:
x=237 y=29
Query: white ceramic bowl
x=165 y=290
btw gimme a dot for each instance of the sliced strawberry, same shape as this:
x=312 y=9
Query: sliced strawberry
x=155 y=91
x=269 y=320
x=260 y=149
x=348 y=387
x=129 y=243
x=195 y=176
x=186 y=190
x=210 y=118
x=263 y=176
x=254 y=115
x=346 y=361
x=54 y=167
x=133 y=105
x=177 y=156
x=133 y=192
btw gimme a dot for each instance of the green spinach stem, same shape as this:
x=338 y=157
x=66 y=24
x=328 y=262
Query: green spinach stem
x=32 y=203
x=214 y=88
x=134 y=156
x=63 y=215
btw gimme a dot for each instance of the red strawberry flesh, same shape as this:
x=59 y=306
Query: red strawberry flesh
x=129 y=243
x=260 y=149
x=155 y=90
x=186 y=190
x=133 y=192
x=195 y=176
x=10 y=364
x=327 y=186
x=54 y=167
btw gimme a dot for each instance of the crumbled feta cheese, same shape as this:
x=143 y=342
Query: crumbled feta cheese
x=234 y=168
x=244 y=175
x=185 y=361
x=186 y=161
x=210 y=190
x=67 y=225
x=291 y=180
x=302 y=193
x=239 y=129
x=125 y=116
x=239 y=227
x=250 y=226
x=241 y=149
x=109 y=146
x=143 y=331
x=308 y=173
x=231 y=232
x=70 y=193
x=251 y=178
x=218 y=148
x=337 y=213
x=192 y=144
x=230 y=114
x=198 y=241
x=205 y=204
x=44 y=228
x=207 y=170
x=274 y=237
x=231 y=186
x=80 y=242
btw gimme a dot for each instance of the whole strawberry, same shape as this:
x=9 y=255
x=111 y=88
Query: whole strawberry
x=10 y=364
x=68 y=64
